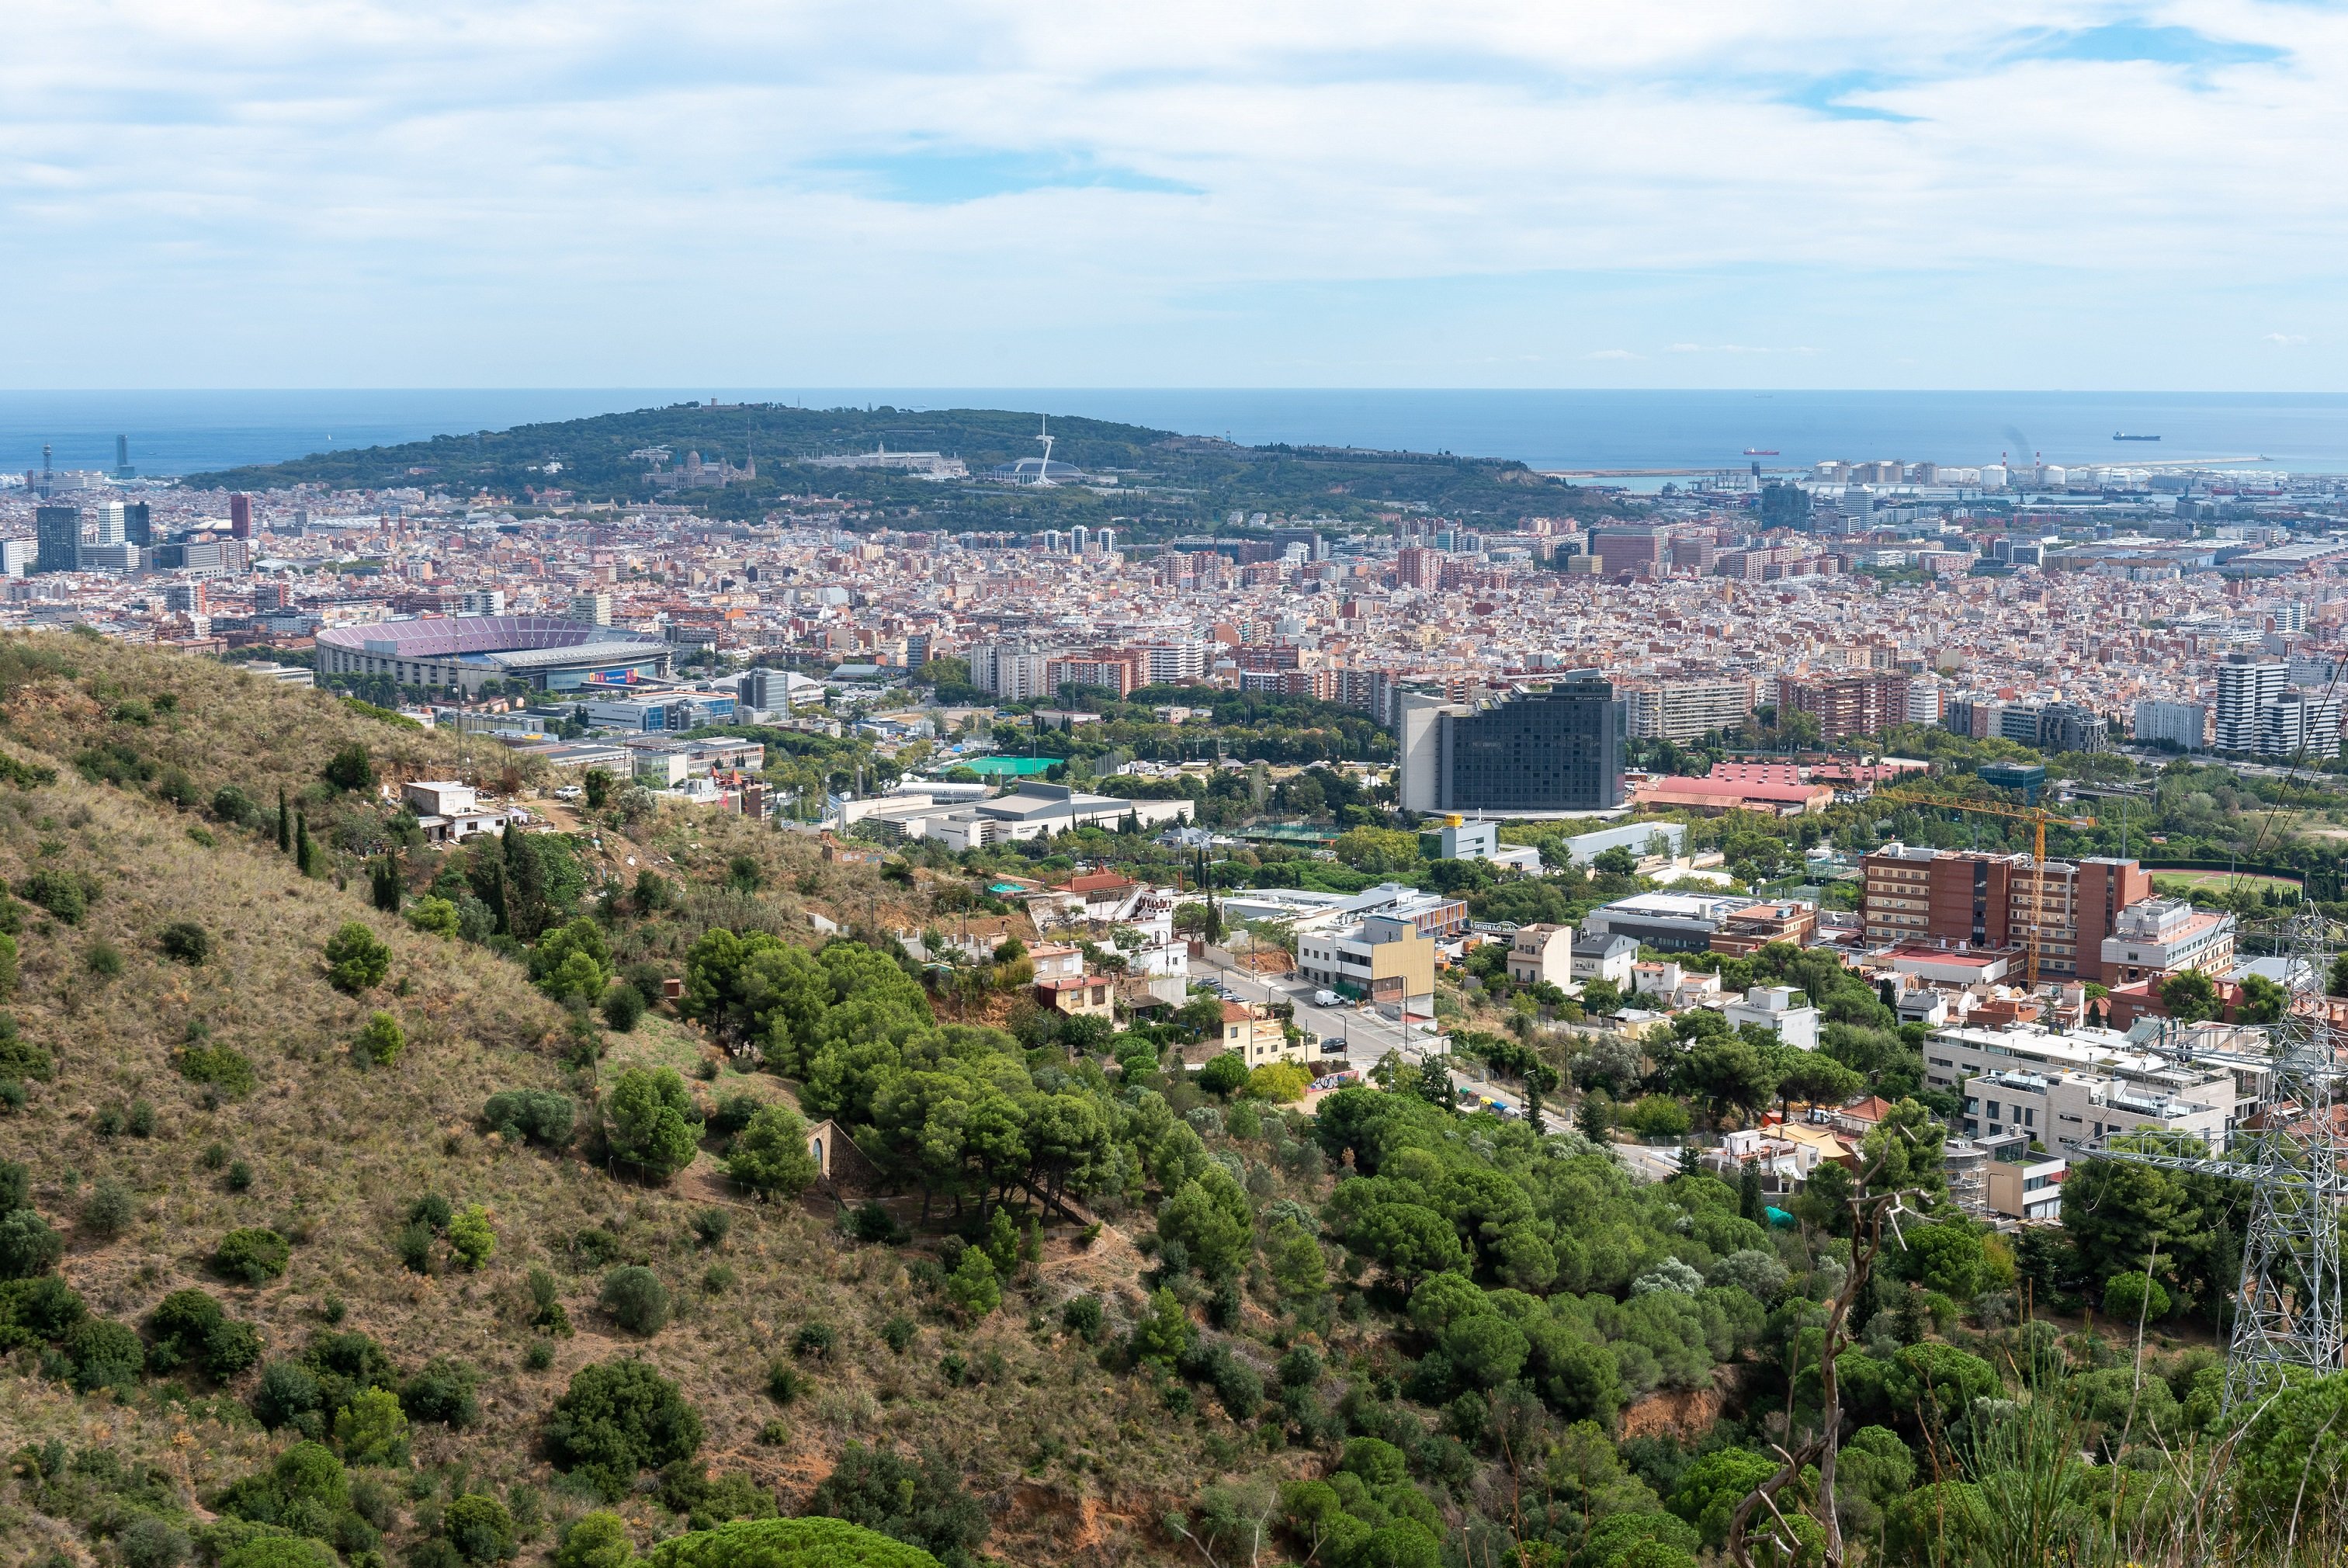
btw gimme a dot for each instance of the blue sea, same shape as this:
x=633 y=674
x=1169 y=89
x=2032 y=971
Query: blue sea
x=182 y=432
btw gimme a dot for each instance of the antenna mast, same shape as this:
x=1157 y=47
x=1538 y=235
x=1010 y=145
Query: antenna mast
x=2287 y=1308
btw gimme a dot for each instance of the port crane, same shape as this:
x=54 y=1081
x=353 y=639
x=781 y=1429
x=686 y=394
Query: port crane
x=2037 y=816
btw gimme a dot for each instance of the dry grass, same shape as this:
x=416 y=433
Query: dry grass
x=1075 y=1461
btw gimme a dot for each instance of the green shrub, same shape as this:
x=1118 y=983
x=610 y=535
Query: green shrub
x=350 y=768
x=897 y=1333
x=415 y=1246
x=1223 y=1075
x=786 y=1543
x=539 y=1356
x=107 y=1212
x=623 y=1006
x=36 y=1312
x=252 y=1254
x=470 y=1237
x=356 y=960
x=597 y=1540
x=103 y=959
x=380 y=1042
x=635 y=1299
x=104 y=1354
x=372 y=1430
x=435 y=916
x=924 y=1505
x=479 y=1528
x=152 y=1542
x=185 y=941
x=541 y=1114
x=27 y=1245
x=713 y=1226
x=618 y=1418
x=287 y=1391
x=233 y=806
x=62 y=894
x=21 y=1058
x=1082 y=1318
x=223 y=1066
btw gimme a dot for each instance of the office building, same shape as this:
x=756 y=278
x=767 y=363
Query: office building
x=240 y=515
x=1846 y=706
x=1637 y=550
x=2164 y=937
x=122 y=468
x=104 y=524
x=482 y=602
x=2246 y=683
x=1685 y=710
x=2180 y=724
x=138 y=523
x=1945 y=898
x=56 y=534
x=2057 y=726
x=1555 y=750
x=592 y=609
x=15 y=557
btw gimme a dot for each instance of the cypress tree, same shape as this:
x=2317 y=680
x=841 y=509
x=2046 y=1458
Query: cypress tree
x=284 y=824
x=302 y=857
x=1748 y=1194
x=385 y=874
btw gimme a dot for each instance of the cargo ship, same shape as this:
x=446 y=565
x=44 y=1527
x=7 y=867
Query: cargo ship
x=2123 y=436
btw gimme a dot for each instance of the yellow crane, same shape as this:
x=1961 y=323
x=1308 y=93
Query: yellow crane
x=2037 y=816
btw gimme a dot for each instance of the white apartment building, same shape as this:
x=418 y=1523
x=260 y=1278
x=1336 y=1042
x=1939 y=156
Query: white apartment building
x=2165 y=936
x=2185 y=724
x=1008 y=672
x=1169 y=663
x=485 y=602
x=2208 y=1079
x=2297 y=722
x=1684 y=710
x=2246 y=683
x=2070 y=1111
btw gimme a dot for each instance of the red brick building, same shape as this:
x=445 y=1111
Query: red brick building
x=1846 y=706
x=1949 y=896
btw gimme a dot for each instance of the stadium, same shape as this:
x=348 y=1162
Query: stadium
x=462 y=652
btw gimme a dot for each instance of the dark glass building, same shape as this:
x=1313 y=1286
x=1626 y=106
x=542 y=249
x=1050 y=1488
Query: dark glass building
x=1554 y=750
x=56 y=538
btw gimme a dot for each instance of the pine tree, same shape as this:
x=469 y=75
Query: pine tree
x=284 y=825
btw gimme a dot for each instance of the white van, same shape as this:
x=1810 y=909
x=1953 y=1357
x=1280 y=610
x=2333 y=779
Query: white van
x=1327 y=998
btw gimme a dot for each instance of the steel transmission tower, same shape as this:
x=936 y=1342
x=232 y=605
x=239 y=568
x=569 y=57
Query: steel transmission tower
x=2288 y=1307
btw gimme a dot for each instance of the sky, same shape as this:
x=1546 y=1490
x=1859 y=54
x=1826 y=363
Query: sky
x=1568 y=194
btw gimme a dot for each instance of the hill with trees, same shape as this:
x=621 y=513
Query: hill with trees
x=1160 y=476
x=366 y=1202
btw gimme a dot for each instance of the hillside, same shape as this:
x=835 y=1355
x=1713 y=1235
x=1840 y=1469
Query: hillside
x=1163 y=477
x=331 y=1154
x=332 y=1238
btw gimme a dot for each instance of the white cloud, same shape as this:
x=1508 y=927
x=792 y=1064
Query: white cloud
x=2284 y=339
x=997 y=190
x=1612 y=354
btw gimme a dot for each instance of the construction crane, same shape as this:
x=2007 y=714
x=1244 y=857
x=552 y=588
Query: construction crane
x=2037 y=816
